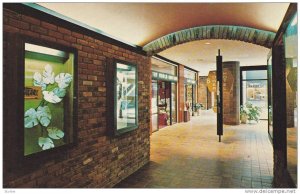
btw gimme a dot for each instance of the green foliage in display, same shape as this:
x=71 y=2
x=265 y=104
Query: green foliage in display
x=44 y=118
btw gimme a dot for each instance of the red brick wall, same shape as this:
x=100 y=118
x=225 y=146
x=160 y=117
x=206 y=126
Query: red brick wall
x=98 y=160
x=202 y=91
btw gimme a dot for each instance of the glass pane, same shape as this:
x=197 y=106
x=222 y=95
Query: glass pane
x=164 y=94
x=255 y=74
x=189 y=98
x=270 y=97
x=163 y=67
x=154 y=106
x=291 y=59
x=255 y=92
x=189 y=74
x=174 y=103
x=48 y=98
x=126 y=96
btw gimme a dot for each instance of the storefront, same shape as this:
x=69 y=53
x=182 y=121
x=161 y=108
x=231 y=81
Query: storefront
x=283 y=101
x=164 y=93
x=254 y=88
x=190 y=91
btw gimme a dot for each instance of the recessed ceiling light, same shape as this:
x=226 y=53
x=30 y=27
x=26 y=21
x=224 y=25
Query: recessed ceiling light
x=207 y=43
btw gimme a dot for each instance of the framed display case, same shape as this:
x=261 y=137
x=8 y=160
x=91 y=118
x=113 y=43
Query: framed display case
x=122 y=96
x=43 y=119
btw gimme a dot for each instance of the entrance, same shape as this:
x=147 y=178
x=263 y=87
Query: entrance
x=164 y=104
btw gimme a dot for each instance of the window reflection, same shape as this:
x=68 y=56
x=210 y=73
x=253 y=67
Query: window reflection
x=126 y=96
x=291 y=60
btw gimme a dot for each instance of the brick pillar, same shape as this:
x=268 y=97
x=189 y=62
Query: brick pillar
x=231 y=93
x=180 y=92
x=209 y=102
x=202 y=91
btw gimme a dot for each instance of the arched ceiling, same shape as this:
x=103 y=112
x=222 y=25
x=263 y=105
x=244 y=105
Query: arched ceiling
x=141 y=23
x=201 y=55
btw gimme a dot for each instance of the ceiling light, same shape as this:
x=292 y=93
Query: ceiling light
x=207 y=43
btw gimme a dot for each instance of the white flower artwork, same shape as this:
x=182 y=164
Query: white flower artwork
x=53 y=94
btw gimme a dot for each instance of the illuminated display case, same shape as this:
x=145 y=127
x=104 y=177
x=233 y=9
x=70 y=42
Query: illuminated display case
x=122 y=99
x=40 y=102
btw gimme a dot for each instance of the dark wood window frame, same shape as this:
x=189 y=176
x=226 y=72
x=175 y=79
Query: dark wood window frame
x=13 y=91
x=111 y=80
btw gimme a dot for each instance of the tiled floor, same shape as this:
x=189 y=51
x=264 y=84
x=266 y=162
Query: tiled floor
x=188 y=155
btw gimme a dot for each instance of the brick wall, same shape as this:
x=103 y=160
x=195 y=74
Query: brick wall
x=202 y=91
x=231 y=93
x=97 y=160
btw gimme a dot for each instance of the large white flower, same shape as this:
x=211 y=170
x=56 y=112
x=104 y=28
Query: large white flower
x=30 y=118
x=45 y=143
x=63 y=80
x=48 y=75
x=38 y=80
x=55 y=133
x=51 y=97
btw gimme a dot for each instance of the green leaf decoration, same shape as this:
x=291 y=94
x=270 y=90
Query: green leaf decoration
x=55 y=133
x=48 y=75
x=30 y=118
x=38 y=81
x=44 y=115
x=59 y=92
x=51 y=97
x=63 y=80
x=45 y=143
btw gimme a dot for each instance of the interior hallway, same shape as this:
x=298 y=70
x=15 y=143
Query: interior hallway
x=188 y=155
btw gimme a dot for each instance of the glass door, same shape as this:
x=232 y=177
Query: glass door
x=164 y=99
x=189 y=98
x=154 y=107
x=174 y=103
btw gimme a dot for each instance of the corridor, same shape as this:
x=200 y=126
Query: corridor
x=188 y=155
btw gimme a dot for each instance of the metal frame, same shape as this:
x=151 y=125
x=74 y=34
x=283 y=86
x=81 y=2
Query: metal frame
x=251 y=68
x=18 y=70
x=130 y=128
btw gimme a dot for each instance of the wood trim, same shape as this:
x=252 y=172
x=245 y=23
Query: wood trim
x=292 y=9
x=15 y=68
x=253 y=68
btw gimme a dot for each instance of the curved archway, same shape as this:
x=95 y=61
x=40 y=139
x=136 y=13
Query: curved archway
x=241 y=33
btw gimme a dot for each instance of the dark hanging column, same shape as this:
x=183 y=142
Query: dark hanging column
x=219 y=96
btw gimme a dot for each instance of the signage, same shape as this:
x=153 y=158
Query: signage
x=163 y=76
x=227 y=80
x=32 y=92
x=212 y=81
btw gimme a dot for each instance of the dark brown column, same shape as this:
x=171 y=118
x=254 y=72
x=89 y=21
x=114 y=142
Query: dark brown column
x=231 y=93
x=279 y=115
x=180 y=92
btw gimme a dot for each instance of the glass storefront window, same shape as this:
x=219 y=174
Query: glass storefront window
x=126 y=96
x=154 y=106
x=174 y=102
x=255 y=74
x=255 y=90
x=163 y=67
x=291 y=60
x=189 y=74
